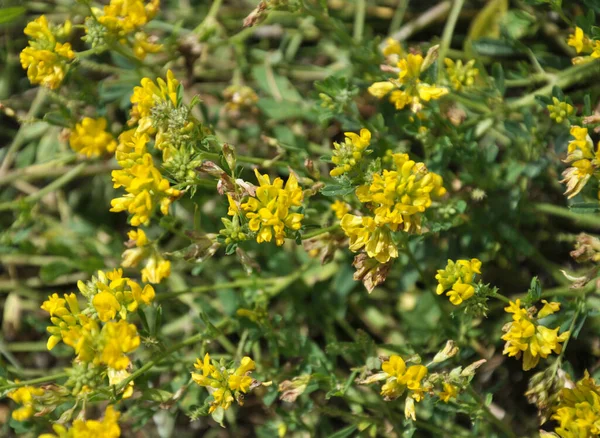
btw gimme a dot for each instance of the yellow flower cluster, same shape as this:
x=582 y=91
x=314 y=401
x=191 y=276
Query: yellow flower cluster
x=45 y=59
x=146 y=188
x=583 y=45
x=90 y=138
x=584 y=161
x=149 y=95
x=461 y=75
x=121 y=19
x=525 y=337
x=140 y=248
x=108 y=427
x=578 y=410
x=348 y=154
x=225 y=385
x=25 y=396
x=457 y=280
x=112 y=294
x=269 y=211
x=408 y=89
x=559 y=111
x=107 y=346
x=399 y=379
x=398 y=198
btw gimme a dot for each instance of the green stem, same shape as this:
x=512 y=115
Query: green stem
x=398 y=16
x=190 y=341
x=559 y=359
x=210 y=16
x=585 y=220
x=359 y=20
x=17 y=142
x=568 y=77
x=316 y=233
x=501 y=297
x=50 y=378
x=244 y=282
x=486 y=410
x=457 y=6
x=54 y=185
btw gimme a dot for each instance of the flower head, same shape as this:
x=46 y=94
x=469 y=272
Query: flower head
x=578 y=410
x=90 y=138
x=584 y=160
x=269 y=212
x=347 y=155
x=401 y=378
x=461 y=75
x=457 y=280
x=560 y=111
x=25 y=396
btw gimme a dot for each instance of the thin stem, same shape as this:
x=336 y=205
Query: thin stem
x=486 y=410
x=398 y=16
x=559 y=359
x=244 y=282
x=319 y=232
x=210 y=16
x=44 y=379
x=54 y=185
x=447 y=34
x=190 y=341
x=359 y=20
x=501 y=297
x=585 y=220
x=17 y=142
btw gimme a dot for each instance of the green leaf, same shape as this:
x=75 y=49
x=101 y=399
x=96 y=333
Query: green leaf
x=345 y=432
x=277 y=86
x=284 y=110
x=498 y=73
x=535 y=292
x=336 y=190
x=11 y=14
x=486 y=23
x=585 y=207
x=491 y=47
x=157 y=395
x=218 y=415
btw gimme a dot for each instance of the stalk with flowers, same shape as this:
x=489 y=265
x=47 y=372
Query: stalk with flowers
x=299 y=218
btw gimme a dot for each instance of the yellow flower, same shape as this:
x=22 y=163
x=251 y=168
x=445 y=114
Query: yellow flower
x=125 y=16
x=45 y=59
x=117 y=376
x=584 y=161
x=269 y=212
x=146 y=188
x=560 y=111
x=156 y=268
x=112 y=294
x=142 y=45
x=579 y=41
x=91 y=139
x=148 y=95
x=392 y=47
x=400 y=378
x=62 y=317
x=225 y=384
x=364 y=232
x=408 y=89
x=459 y=277
x=450 y=391
x=461 y=75
x=400 y=196
x=578 y=410
x=118 y=339
x=525 y=337
x=340 y=208
x=348 y=154
x=25 y=396
x=548 y=309
x=105 y=428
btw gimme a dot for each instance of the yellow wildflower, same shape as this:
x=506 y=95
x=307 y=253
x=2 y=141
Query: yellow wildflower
x=269 y=212
x=125 y=16
x=400 y=196
x=143 y=45
x=225 y=385
x=45 y=59
x=408 y=89
x=525 y=337
x=450 y=392
x=118 y=339
x=548 y=309
x=146 y=188
x=340 y=208
x=560 y=111
x=459 y=277
x=578 y=410
x=25 y=396
x=584 y=161
x=400 y=378
x=392 y=47
x=461 y=75
x=156 y=268
x=89 y=137
x=364 y=232
x=579 y=41
x=348 y=154
x=148 y=95
x=105 y=428
x=61 y=316
x=112 y=294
